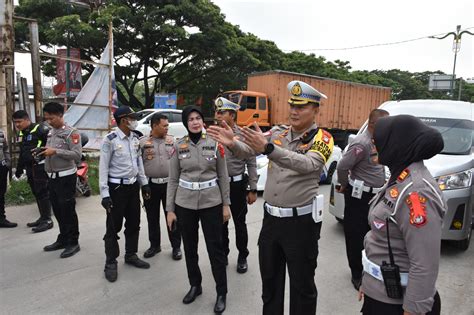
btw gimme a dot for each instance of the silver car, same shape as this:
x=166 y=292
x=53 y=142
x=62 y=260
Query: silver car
x=453 y=167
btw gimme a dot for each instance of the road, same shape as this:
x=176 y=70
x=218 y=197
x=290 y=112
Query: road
x=34 y=281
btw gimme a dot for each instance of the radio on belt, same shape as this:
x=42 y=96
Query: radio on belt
x=391 y=273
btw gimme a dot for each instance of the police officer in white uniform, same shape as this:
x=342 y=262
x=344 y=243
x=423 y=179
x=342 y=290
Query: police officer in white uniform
x=120 y=176
x=239 y=181
x=402 y=249
x=293 y=209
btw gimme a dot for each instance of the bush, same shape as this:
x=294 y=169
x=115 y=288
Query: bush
x=19 y=193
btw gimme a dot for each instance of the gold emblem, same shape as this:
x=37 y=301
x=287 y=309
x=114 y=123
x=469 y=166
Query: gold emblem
x=296 y=89
x=220 y=102
x=149 y=157
x=277 y=142
x=394 y=192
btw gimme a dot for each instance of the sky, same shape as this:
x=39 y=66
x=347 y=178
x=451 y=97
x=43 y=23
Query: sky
x=311 y=24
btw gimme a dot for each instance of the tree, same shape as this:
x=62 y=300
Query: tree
x=156 y=41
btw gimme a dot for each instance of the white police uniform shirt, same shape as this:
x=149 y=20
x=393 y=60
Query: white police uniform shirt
x=120 y=157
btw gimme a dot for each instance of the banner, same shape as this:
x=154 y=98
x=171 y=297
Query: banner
x=95 y=92
x=75 y=76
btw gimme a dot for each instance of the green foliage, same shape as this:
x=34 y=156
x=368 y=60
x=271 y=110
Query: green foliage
x=94 y=174
x=18 y=193
x=187 y=47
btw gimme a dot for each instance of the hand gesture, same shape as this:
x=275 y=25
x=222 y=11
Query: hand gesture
x=254 y=138
x=222 y=134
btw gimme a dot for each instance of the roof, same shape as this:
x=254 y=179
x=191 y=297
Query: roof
x=431 y=108
x=316 y=77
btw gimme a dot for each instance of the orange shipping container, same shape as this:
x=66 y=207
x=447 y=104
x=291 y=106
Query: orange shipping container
x=347 y=107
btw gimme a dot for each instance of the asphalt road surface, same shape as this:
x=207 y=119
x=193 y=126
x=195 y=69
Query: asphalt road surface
x=34 y=281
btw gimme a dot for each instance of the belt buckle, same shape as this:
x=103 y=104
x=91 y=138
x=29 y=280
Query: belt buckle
x=195 y=186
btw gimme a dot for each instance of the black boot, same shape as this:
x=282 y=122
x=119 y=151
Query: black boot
x=152 y=251
x=192 y=294
x=110 y=272
x=219 y=308
x=43 y=226
x=70 y=251
x=137 y=262
x=4 y=223
x=55 y=246
x=242 y=265
x=35 y=223
x=177 y=255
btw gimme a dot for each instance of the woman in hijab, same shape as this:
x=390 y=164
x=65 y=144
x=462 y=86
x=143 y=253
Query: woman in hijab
x=402 y=249
x=198 y=190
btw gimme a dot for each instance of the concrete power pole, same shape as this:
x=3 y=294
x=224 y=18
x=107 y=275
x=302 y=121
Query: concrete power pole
x=6 y=65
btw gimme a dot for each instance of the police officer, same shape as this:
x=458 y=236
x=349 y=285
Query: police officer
x=360 y=177
x=402 y=249
x=31 y=137
x=156 y=153
x=293 y=209
x=120 y=176
x=5 y=163
x=198 y=190
x=239 y=196
x=63 y=152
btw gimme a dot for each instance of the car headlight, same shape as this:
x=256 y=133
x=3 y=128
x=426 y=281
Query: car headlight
x=455 y=181
x=262 y=164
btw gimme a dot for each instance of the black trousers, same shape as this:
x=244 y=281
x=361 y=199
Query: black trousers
x=356 y=225
x=38 y=181
x=126 y=204
x=152 y=206
x=374 y=307
x=211 y=222
x=293 y=243
x=238 y=208
x=3 y=190
x=62 y=192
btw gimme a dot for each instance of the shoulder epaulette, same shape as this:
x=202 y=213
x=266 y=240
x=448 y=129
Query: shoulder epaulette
x=309 y=135
x=112 y=136
x=137 y=134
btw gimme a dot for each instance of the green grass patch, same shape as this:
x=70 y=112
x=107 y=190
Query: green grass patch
x=19 y=193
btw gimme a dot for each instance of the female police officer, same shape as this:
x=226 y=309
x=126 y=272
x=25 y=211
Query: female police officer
x=402 y=250
x=198 y=190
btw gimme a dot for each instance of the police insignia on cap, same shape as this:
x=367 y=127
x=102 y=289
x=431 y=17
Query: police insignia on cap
x=296 y=89
x=222 y=103
x=219 y=102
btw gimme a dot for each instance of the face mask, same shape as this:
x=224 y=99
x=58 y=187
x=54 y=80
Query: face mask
x=132 y=124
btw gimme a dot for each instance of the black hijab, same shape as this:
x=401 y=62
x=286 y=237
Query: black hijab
x=185 y=115
x=402 y=140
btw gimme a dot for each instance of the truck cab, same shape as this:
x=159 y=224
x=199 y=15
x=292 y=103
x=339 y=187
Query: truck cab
x=254 y=107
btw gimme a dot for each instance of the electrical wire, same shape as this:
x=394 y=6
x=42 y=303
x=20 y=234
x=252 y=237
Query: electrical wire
x=371 y=45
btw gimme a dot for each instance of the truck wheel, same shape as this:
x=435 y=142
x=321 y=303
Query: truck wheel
x=464 y=244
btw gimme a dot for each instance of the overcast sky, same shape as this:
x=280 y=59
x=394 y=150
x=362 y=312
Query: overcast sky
x=313 y=24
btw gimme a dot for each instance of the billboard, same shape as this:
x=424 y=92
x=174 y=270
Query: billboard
x=75 y=76
x=165 y=100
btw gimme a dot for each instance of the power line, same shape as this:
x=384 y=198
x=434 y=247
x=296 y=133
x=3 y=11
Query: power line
x=371 y=45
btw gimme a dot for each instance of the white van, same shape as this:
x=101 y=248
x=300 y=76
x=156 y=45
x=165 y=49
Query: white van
x=453 y=167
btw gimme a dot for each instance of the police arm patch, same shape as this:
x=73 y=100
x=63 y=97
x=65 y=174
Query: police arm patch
x=221 y=149
x=416 y=203
x=323 y=144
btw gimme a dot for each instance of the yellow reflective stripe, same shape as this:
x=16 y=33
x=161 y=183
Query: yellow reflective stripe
x=40 y=142
x=34 y=129
x=21 y=133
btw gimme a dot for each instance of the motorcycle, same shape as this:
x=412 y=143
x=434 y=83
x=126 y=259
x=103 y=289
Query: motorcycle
x=82 y=184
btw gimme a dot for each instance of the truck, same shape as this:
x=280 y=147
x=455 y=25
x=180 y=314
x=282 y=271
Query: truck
x=347 y=107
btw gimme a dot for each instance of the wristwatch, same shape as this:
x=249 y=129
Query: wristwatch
x=269 y=147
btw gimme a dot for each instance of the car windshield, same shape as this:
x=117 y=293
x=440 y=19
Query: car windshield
x=143 y=113
x=457 y=134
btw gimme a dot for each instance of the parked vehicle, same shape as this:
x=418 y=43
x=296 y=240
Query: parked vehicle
x=453 y=168
x=82 y=183
x=347 y=106
x=326 y=175
x=176 y=128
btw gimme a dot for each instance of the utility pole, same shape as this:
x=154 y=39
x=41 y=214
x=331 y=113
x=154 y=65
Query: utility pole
x=6 y=66
x=456 y=48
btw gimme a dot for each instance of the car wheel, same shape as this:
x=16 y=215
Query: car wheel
x=331 y=171
x=464 y=244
